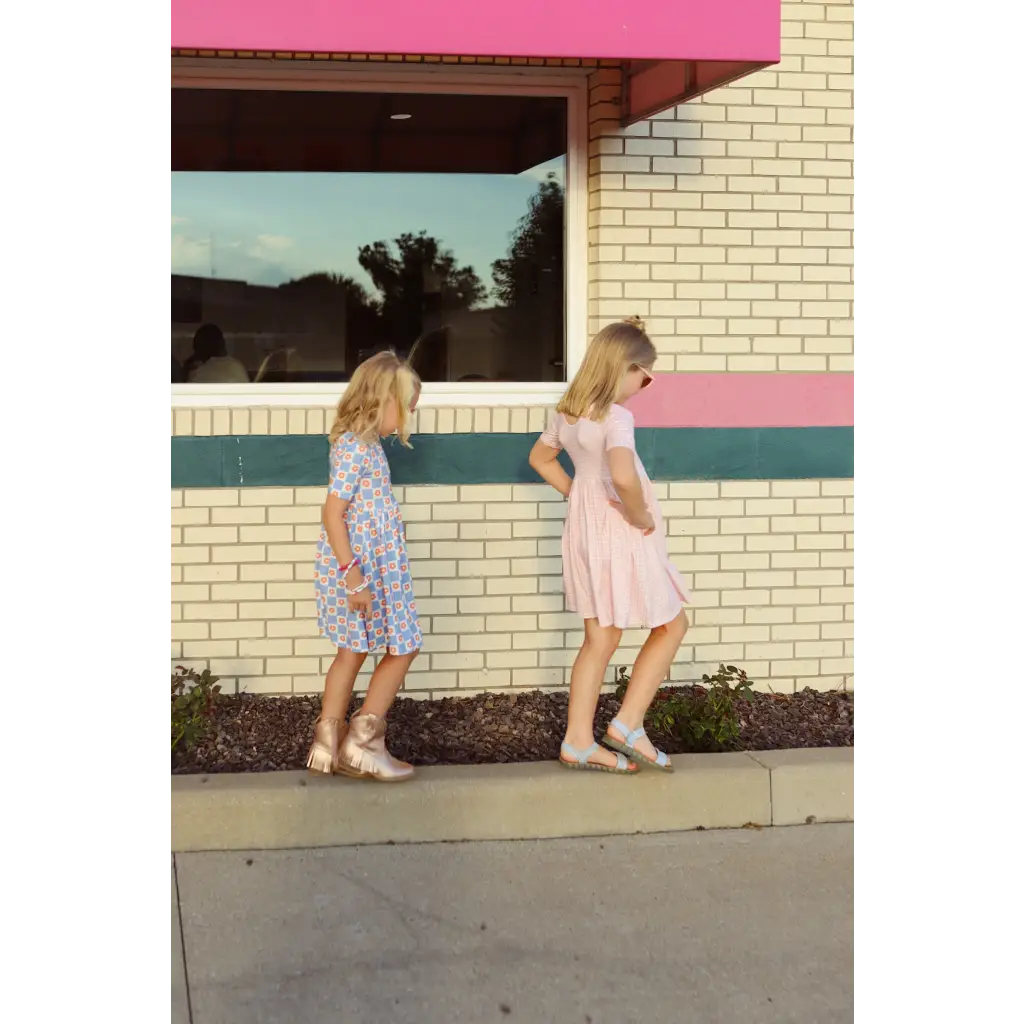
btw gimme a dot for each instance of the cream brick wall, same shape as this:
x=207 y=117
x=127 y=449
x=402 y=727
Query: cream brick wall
x=727 y=222
x=770 y=562
x=259 y=421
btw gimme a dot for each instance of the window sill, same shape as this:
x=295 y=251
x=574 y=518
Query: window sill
x=302 y=396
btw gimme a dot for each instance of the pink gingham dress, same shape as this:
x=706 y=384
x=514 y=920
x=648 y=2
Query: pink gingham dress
x=613 y=573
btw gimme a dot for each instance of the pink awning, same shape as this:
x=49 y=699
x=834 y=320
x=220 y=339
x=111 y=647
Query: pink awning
x=674 y=49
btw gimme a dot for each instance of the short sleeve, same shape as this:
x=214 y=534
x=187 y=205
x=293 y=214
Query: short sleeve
x=619 y=433
x=550 y=435
x=348 y=458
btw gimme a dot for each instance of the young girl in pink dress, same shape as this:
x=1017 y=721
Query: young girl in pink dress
x=614 y=556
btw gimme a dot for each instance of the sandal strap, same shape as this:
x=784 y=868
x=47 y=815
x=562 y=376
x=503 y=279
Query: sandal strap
x=630 y=735
x=580 y=756
x=621 y=762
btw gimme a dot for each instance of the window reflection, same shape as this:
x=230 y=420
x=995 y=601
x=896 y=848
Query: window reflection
x=309 y=230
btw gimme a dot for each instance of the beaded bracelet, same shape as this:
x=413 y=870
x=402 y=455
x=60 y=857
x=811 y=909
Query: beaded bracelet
x=358 y=590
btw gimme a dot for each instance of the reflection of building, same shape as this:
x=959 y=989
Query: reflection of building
x=257 y=320
x=720 y=213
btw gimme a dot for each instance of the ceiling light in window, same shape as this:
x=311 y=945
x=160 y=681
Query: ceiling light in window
x=400 y=117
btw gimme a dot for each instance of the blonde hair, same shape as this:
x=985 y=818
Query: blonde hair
x=597 y=383
x=361 y=409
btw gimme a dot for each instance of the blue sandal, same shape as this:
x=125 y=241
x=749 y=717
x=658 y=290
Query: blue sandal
x=583 y=757
x=627 y=747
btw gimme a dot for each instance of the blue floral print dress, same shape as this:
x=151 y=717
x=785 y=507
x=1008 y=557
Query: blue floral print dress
x=360 y=475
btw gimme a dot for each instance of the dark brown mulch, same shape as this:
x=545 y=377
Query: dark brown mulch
x=266 y=734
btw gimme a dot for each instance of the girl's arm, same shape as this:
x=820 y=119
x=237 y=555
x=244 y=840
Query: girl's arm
x=544 y=462
x=337 y=536
x=626 y=481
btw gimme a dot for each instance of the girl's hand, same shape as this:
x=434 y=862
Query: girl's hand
x=358 y=602
x=646 y=524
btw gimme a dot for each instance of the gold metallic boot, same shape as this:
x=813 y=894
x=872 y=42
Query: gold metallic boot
x=362 y=752
x=323 y=754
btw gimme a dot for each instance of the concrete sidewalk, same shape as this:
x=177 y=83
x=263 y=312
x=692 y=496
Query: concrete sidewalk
x=686 y=928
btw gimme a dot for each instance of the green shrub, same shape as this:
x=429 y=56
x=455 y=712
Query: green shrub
x=701 y=718
x=193 y=697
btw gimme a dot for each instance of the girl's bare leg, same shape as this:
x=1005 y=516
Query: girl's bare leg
x=649 y=672
x=385 y=683
x=599 y=644
x=341 y=677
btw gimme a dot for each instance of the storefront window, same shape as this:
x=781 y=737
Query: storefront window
x=310 y=229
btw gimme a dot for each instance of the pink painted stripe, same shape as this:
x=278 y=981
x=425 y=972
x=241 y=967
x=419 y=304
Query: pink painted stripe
x=746 y=400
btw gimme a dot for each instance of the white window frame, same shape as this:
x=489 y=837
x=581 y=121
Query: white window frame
x=570 y=83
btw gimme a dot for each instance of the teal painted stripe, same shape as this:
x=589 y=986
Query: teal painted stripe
x=669 y=453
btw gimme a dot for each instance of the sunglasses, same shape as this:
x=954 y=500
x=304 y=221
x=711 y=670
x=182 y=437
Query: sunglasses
x=648 y=376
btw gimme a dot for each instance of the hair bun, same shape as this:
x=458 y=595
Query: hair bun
x=635 y=321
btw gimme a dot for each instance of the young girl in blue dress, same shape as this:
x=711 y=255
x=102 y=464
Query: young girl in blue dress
x=364 y=594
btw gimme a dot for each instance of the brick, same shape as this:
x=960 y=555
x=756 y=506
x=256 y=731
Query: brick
x=308 y=495
x=189 y=555
x=457 y=549
x=211 y=497
x=745 y=560
x=746 y=525
x=190 y=592
x=512 y=659
x=771 y=651
x=839 y=666
x=483 y=567
x=417 y=532
x=795 y=631
x=795 y=559
x=266 y=534
x=237 y=630
x=458 y=661
x=776 y=542
x=263 y=571
x=776 y=578
x=181 y=631
x=772 y=616
x=743 y=598
x=238 y=591
x=770 y=507
x=264 y=610
x=483 y=605
x=486 y=642
x=457 y=587
x=820 y=542
x=836 y=524
x=459 y=624
x=536 y=566
x=743 y=634
x=305 y=514
x=541 y=528
x=260 y=647
x=515 y=511
x=209 y=573
x=206 y=611
x=232 y=516
x=537 y=640
x=794 y=668
x=795 y=596
x=795 y=488
x=270 y=496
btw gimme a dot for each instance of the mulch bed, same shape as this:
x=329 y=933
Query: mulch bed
x=266 y=734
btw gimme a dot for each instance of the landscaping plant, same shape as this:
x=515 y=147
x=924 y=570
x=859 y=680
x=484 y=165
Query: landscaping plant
x=704 y=717
x=192 y=700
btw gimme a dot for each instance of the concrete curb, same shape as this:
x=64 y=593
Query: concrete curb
x=286 y=810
